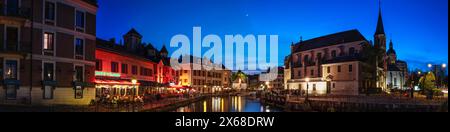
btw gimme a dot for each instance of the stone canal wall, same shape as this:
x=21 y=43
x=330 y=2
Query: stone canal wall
x=355 y=104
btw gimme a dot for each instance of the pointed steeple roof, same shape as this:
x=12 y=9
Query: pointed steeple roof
x=380 y=25
x=391 y=48
x=133 y=32
x=163 y=49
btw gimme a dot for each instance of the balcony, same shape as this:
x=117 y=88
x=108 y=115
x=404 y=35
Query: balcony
x=15 y=12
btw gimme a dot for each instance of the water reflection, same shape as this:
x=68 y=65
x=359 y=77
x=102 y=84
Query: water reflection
x=228 y=104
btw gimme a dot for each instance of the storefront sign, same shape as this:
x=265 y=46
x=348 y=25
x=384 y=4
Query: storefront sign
x=106 y=74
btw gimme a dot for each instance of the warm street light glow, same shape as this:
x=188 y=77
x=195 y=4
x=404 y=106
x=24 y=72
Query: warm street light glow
x=134 y=81
x=419 y=72
x=307 y=79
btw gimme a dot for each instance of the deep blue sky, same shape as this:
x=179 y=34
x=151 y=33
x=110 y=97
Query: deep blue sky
x=419 y=28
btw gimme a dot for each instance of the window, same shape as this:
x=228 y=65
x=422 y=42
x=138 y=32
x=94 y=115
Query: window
x=350 y=68
x=80 y=20
x=319 y=56
x=48 y=92
x=314 y=87
x=124 y=68
x=12 y=7
x=185 y=71
x=351 y=51
x=185 y=80
x=49 y=11
x=49 y=69
x=78 y=92
x=334 y=85
x=134 y=70
x=312 y=73
x=79 y=48
x=49 y=41
x=299 y=73
x=114 y=67
x=11 y=92
x=339 y=68
x=395 y=81
x=11 y=69
x=333 y=54
x=12 y=38
x=98 y=65
x=79 y=74
x=329 y=69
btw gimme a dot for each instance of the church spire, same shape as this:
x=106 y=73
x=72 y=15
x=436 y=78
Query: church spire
x=380 y=25
x=391 y=45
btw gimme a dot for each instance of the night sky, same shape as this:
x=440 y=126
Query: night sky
x=418 y=28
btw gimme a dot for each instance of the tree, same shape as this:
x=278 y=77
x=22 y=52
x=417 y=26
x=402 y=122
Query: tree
x=428 y=83
x=373 y=57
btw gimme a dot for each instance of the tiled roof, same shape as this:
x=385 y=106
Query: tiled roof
x=92 y=2
x=140 y=52
x=329 y=40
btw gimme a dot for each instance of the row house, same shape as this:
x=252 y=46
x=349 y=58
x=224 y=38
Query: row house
x=47 y=51
x=132 y=68
x=208 y=78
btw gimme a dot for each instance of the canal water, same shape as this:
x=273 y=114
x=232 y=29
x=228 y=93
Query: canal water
x=228 y=104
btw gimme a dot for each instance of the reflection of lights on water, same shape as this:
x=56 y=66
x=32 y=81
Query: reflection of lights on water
x=204 y=106
x=222 y=106
x=240 y=104
x=267 y=109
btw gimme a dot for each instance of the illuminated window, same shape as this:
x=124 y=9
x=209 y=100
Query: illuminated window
x=10 y=69
x=49 y=71
x=49 y=41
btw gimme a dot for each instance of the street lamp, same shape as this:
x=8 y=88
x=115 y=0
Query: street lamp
x=429 y=65
x=307 y=88
x=444 y=65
